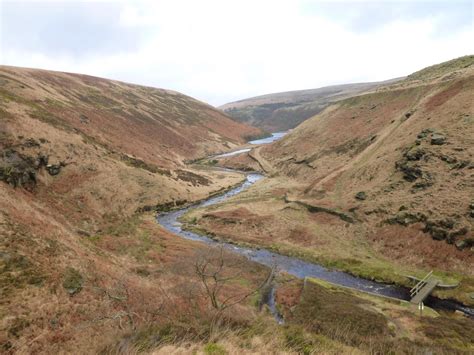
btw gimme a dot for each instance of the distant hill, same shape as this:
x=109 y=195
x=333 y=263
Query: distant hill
x=285 y=110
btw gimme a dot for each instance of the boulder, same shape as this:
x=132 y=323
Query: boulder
x=438 y=139
x=424 y=133
x=411 y=171
x=406 y=218
x=452 y=236
x=41 y=160
x=441 y=229
x=16 y=169
x=361 y=195
x=466 y=243
x=53 y=169
x=415 y=154
x=438 y=233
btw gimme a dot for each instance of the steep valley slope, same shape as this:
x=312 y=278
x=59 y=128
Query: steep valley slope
x=81 y=161
x=380 y=184
x=86 y=163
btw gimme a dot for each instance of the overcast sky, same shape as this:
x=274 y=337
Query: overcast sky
x=221 y=51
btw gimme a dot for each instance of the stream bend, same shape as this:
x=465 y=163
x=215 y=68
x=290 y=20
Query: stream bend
x=293 y=266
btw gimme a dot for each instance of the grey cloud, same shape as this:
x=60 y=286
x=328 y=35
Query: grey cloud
x=77 y=29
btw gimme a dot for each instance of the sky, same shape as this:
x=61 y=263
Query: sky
x=222 y=51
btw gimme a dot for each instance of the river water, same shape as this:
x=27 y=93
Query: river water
x=293 y=266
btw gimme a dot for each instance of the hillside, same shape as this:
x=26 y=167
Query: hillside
x=380 y=184
x=88 y=164
x=81 y=161
x=282 y=111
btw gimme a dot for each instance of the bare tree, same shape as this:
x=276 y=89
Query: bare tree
x=215 y=270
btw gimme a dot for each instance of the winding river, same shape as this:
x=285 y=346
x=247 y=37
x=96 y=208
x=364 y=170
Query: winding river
x=293 y=266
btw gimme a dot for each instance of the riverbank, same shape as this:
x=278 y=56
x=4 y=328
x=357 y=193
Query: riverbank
x=259 y=218
x=291 y=263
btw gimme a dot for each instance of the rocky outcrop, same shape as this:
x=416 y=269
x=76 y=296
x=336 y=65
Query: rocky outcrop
x=318 y=209
x=20 y=169
x=448 y=229
x=192 y=178
x=406 y=218
x=163 y=207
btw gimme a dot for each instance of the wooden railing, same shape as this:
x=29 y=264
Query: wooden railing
x=420 y=284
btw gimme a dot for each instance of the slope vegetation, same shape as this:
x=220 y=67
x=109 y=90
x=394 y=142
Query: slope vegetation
x=81 y=160
x=380 y=184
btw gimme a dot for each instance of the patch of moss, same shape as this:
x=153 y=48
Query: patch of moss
x=214 y=349
x=124 y=226
x=72 y=281
x=16 y=271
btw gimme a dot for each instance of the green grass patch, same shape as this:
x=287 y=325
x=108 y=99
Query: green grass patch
x=214 y=349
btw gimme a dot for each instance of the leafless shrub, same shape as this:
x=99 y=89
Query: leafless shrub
x=216 y=271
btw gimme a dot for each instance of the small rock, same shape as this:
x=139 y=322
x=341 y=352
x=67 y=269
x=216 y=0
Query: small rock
x=415 y=154
x=453 y=235
x=461 y=244
x=83 y=233
x=448 y=159
x=84 y=119
x=438 y=139
x=411 y=172
x=447 y=223
x=31 y=143
x=361 y=195
x=41 y=160
x=424 y=133
x=53 y=169
x=426 y=182
x=438 y=233
x=406 y=218
x=462 y=164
